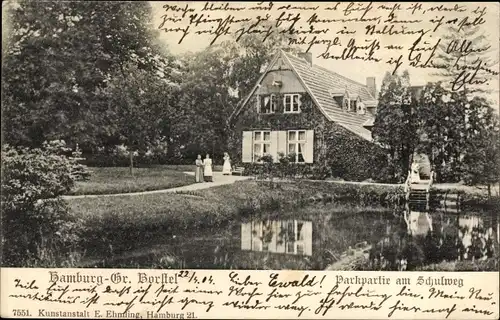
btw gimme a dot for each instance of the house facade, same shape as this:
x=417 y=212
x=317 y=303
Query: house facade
x=300 y=109
x=292 y=237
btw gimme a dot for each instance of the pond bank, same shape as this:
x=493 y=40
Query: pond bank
x=118 y=229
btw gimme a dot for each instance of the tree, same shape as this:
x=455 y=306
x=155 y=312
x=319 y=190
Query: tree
x=207 y=100
x=215 y=81
x=482 y=147
x=460 y=134
x=35 y=219
x=463 y=49
x=394 y=126
x=58 y=57
x=441 y=129
x=138 y=104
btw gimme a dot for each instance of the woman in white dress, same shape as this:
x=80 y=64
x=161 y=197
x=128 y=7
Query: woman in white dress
x=226 y=168
x=207 y=164
x=199 y=169
x=415 y=172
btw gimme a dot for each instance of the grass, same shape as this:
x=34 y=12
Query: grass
x=115 y=225
x=112 y=180
x=490 y=264
x=109 y=221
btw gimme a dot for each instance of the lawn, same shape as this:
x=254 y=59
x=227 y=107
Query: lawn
x=111 y=226
x=110 y=180
x=127 y=222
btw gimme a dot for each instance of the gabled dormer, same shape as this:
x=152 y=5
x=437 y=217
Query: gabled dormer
x=349 y=102
x=279 y=90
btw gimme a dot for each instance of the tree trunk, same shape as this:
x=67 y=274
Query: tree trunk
x=170 y=152
x=393 y=170
x=131 y=157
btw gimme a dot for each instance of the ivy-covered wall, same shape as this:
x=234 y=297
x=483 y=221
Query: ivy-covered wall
x=347 y=155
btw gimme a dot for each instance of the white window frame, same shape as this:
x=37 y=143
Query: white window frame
x=296 y=143
x=290 y=245
x=288 y=108
x=345 y=104
x=273 y=103
x=260 y=142
x=360 y=108
x=353 y=105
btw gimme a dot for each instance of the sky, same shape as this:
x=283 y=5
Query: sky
x=354 y=69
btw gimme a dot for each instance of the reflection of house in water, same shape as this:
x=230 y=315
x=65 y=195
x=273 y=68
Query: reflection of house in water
x=281 y=236
x=469 y=222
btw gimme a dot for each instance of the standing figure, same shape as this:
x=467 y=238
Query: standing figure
x=226 y=168
x=198 y=174
x=207 y=163
x=415 y=172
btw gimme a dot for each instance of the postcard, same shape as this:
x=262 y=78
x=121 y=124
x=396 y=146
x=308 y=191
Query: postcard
x=233 y=160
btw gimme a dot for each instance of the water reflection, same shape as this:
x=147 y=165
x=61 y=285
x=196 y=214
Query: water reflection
x=477 y=240
x=434 y=238
x=419 y=223
x=380 y=240
x=278 y=236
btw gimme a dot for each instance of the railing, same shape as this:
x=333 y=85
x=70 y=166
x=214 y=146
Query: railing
x=408 y=188
x=428 y=190
x=407 y=185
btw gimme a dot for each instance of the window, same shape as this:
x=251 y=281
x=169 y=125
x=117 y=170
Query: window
x=345 y=104
x=300 y=234
x=290 y=237
x=296 y=144
x=360 y=108
x=261 y=144
x=352 y=105
x=291 y=103
x=257 y=245
x=300 y=249
x=265 y=246
x=269 y=104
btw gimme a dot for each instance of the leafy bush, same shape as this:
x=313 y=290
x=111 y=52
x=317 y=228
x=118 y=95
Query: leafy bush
x=35 y=219
x=287 y=168
x=490 y=264
x=79 y=171
x=466 y=200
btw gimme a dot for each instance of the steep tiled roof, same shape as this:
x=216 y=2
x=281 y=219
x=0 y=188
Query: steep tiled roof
x=320 y=82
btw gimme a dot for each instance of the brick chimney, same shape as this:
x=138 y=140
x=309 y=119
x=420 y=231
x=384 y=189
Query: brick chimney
x=372 y=87
x=307 y=56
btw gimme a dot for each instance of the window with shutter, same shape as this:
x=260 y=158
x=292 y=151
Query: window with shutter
x=309 y=147
x=246 y=150
x=274 y=146
x=297 y=144
x=261 y=144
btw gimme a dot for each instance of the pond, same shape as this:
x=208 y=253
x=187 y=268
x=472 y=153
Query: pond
x=322 y=237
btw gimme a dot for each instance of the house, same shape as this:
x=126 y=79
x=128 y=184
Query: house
x=279 y=236
x=299 y=108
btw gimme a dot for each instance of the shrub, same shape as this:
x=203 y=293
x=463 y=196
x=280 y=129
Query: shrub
x=319 y=172
x=35 y=219
x=79 y=171
x=490 y=264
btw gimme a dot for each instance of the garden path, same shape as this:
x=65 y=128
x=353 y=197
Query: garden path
x=218 y=177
